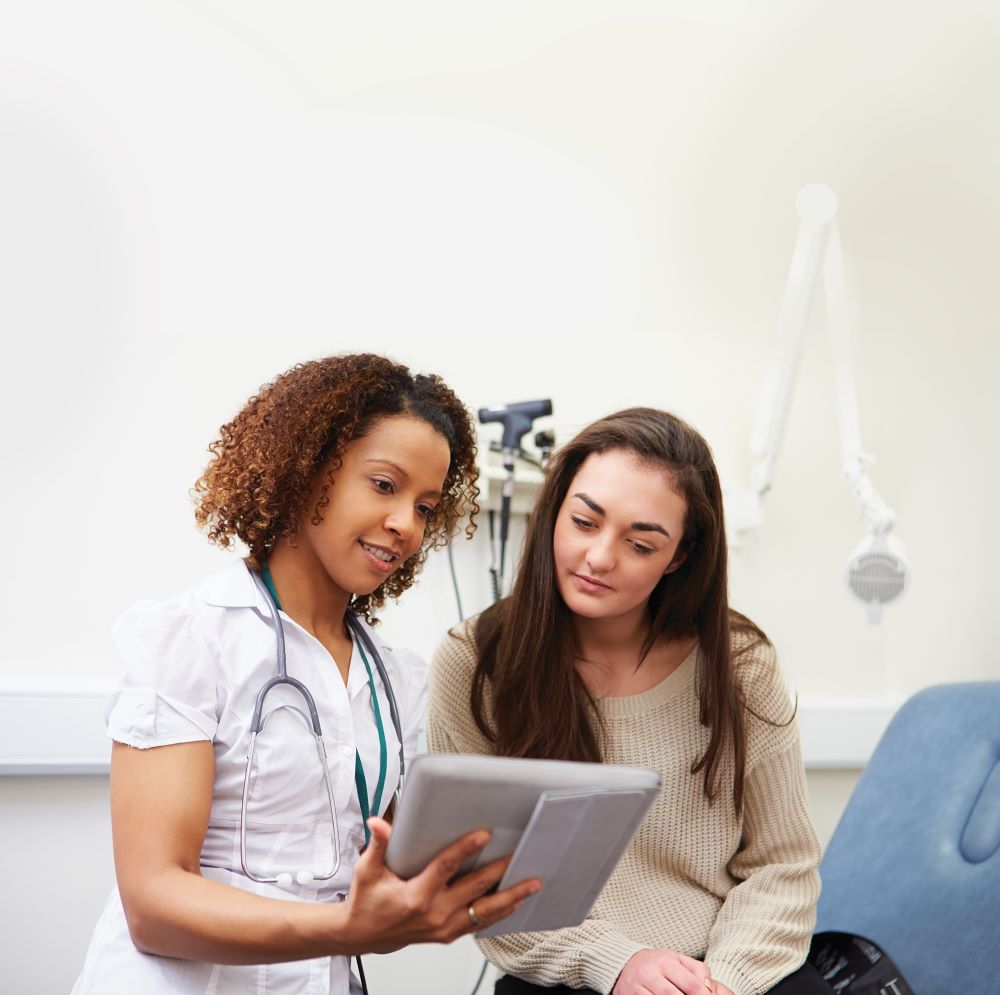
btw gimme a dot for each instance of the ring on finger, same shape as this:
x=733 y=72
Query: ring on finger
x=474 y=919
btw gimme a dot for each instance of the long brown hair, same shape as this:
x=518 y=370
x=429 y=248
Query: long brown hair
x=296 y=428
x=526 y=642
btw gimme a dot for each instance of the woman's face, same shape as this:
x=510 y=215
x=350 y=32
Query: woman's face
x=616 y=535
x=383 y=494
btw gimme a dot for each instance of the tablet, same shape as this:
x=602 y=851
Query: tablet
x=446 y=795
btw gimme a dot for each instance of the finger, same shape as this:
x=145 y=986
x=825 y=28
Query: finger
x=443 y=867
x=657 y=986
x=694 y=965
x=380 y=833
x=493 y=908
x=697 y=967
x=464 y=889
x=685 y=981
x=372 y=861
x=462 y=921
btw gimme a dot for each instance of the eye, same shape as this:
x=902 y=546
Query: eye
x=581 y=523
x=384 y=485
x=640 y=548
x=426 y=511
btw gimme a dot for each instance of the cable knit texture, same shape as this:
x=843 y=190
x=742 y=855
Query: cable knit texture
x=739 y=893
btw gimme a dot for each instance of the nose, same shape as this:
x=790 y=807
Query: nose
x=402 y=522
x=600 y=555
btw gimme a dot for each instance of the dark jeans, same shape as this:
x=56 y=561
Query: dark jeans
x=805 y=981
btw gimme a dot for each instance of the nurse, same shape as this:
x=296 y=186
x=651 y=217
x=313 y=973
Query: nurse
x=338 y=477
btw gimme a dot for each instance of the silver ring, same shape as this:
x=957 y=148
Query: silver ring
x=474 y=919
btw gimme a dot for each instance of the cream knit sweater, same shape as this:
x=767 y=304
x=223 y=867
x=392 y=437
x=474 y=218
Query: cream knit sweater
x=739 y=893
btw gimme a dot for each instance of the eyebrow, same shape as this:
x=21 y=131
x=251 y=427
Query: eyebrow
x=638 y=526
x=395 y=466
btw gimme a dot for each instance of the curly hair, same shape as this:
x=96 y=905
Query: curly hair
x=266 y=460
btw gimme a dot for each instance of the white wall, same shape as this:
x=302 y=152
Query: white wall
x=581 y=200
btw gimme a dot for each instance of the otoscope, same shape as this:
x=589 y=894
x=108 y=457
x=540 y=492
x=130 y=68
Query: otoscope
x=516 y=420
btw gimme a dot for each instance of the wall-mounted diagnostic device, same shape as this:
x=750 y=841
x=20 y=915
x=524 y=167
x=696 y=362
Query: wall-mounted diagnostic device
x=516 y=420
x=877 y=571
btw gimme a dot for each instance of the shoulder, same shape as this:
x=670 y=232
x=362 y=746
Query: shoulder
x=457 y=648
x=769 y=703
x=454 y=664
x=188 y=626
x=755 y=663
x=162 y=627
x=452 y=725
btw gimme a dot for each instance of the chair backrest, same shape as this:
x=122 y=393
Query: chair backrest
x=914 y=864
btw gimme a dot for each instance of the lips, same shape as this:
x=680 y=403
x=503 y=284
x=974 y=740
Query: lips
x=382 y=559
x=590 y=584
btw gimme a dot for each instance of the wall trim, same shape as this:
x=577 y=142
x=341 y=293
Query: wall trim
x=62 y=732
x=53 y=732
x=842 y=733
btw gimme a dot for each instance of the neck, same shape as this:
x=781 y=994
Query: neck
x=307 y=593
x=613 y=644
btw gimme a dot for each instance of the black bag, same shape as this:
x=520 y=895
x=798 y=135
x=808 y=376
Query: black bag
x=852 y=965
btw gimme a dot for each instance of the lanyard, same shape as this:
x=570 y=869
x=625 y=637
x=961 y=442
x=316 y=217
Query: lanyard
x=359 y=770
x=360 y=781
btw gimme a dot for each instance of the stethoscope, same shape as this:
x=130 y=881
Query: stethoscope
x=284 y=879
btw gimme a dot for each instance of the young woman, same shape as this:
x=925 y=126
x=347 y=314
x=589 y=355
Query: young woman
x=244 y=875
x=617 y=644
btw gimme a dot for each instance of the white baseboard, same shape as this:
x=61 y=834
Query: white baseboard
x=49 y=732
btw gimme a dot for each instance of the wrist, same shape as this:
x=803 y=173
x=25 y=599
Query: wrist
x=325 y=927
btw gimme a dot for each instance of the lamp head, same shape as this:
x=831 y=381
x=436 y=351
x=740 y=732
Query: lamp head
x=877 y=572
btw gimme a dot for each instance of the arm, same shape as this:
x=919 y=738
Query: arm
x=160 y=804
x=763 y=928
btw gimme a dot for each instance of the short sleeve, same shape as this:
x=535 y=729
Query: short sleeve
x=168 y=693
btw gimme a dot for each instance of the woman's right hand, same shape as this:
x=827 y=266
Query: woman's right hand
x=384 y=912
x=663 y=972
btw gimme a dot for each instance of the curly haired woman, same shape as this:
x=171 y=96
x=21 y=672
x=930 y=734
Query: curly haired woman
x=338 y=477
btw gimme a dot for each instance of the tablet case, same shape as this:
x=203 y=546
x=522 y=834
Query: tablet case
x=566 y=823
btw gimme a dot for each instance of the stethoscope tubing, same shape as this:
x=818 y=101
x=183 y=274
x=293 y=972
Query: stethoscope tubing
x=257 y=723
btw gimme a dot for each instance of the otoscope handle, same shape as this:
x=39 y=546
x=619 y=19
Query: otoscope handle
x=516 y=419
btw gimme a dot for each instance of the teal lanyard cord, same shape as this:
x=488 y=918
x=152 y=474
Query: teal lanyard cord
x=359 y=771
x=383 y=762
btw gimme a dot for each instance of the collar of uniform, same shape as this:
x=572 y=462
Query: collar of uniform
x=233 y=587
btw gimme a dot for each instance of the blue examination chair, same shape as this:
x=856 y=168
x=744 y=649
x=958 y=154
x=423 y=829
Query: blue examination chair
x=914 y=863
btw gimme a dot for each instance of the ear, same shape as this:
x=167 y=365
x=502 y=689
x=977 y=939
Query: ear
x=679 y=557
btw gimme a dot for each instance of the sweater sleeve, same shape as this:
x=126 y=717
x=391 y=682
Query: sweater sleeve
x=762 y=931
x=590 y=955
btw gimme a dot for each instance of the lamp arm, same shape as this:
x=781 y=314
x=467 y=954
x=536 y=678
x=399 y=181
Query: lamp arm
x=879 y=517
x=816 y=212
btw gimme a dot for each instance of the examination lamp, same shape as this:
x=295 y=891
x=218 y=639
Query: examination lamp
x=516 y=420
x=877 y=570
